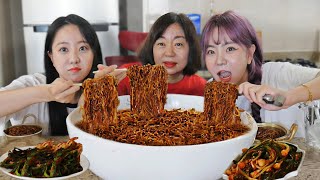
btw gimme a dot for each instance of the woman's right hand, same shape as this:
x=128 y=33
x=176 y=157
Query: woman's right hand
x=103 y=70
x=63 y=91
x=255 y=93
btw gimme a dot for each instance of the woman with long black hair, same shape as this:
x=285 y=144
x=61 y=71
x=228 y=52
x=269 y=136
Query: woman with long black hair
x=72 y=52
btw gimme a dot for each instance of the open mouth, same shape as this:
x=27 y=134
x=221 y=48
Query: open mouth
x=225 y=76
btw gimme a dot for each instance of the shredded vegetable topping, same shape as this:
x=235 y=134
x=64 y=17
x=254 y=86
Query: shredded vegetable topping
x=266 y=160
x=148 y=123
x=46 y=160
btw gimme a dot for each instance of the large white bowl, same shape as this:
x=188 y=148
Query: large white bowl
x=113 y=160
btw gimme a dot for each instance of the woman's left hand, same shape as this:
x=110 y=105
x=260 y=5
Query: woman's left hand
x=255 y=93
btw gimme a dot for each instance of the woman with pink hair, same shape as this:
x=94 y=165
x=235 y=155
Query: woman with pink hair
x=233 y=54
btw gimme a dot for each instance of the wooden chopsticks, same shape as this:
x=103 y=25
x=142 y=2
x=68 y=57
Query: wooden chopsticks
x=122 y=69
x=77 y=84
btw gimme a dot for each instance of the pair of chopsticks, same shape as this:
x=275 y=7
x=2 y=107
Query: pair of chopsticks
x=77 y=84
x=94 y=72
x=122 y=69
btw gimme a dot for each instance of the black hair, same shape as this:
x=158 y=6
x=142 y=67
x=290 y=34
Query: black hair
x=194 y=58
x=58 y=111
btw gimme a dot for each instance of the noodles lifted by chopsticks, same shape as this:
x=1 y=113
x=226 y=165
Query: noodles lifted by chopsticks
x=148 y=86
x=100 y=102
x=219 y=103
x=148 y=123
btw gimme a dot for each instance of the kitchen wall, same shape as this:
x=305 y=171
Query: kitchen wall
x=134 y=15
x=5 y=53
x=12 y=54
x=289 y=27
x=286 y=25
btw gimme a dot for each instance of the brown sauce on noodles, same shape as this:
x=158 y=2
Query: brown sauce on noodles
x=147 y=122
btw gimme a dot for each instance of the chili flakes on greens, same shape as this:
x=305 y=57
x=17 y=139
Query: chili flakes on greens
x=46 y=160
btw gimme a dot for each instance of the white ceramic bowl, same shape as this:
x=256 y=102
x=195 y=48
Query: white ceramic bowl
x=113 y=160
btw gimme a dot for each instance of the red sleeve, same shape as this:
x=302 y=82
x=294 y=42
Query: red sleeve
x=124 y=87
x=200 y=84
x=129 y=64
x=190 y=85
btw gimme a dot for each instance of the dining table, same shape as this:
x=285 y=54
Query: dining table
x=310 y=168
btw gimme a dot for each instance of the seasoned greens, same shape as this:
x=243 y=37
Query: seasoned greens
x=45 y=160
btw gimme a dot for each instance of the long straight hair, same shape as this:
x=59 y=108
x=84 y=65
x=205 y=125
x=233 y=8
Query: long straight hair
x=240 y=31
x=58 y=111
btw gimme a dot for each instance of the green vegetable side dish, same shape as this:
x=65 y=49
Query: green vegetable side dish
x=266 y=160
x=45 y=161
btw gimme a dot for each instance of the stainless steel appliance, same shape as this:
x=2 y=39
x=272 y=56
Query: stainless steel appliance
x=38 y=14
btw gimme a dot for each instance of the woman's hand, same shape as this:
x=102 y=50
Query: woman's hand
x=63 y=91
x=255 y=93
x=103 y=70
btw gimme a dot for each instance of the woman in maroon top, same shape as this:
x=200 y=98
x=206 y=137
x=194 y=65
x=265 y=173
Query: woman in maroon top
x=173 y=43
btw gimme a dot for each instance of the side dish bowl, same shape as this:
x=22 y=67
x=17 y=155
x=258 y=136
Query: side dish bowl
x=113 y=160
x=288 y=175
x=83 y=162
x=275 y=131
x=23 y=130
